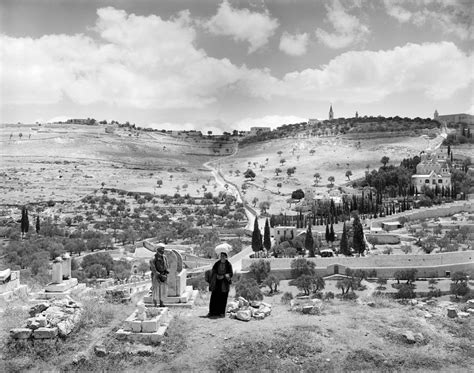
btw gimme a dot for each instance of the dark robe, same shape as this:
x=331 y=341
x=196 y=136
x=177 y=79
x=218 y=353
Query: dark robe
x=219 y=286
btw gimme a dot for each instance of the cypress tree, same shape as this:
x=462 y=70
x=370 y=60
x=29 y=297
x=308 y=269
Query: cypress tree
x=24 y=221
x=327 y=236
x=256 y=237
x=267 y=244
x=309 y=241
x=331 y=234
x=37 y=224
x=344 y=245
x=358 y=237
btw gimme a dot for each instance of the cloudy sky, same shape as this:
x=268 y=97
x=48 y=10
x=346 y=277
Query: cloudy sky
x=220 y=65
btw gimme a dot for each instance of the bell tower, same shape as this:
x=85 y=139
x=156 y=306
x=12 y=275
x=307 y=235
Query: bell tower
x=331 y=113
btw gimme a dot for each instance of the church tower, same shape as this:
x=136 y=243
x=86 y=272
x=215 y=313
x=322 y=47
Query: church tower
x=436 y=115
x=331 y=113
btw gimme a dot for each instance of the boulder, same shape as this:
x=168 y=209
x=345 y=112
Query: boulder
x=452 y=313
x=54 y=314
x=463 y=314
x=244 y=315
x=38 y=308
x=307 y=309
x=371 y=304
x=470 y=303
x=428 y=315
x=243 y=302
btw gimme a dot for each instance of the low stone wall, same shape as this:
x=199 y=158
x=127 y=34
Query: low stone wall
x=49 y=320
x=385 y=265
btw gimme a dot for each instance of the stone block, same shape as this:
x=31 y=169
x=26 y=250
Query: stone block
x=150 y=326
x=45 y=333
x=20 y=333
x=136 y=326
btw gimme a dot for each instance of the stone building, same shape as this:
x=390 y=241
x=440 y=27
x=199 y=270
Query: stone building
x=432 y=171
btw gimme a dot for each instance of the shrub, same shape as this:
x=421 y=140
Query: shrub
x=248 y=289
x=329 y=295
x=349 y=296
x=405 y=292
x=286 y=297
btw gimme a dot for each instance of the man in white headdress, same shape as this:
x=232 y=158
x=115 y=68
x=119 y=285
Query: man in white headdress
x=159 y=275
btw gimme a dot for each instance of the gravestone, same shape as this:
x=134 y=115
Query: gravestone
x=177 y=292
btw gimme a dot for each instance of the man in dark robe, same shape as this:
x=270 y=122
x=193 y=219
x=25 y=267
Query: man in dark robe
x=219 y=285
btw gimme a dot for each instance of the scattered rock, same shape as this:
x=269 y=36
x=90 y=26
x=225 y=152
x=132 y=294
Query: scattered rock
x=371 y=304
x=428 y=315
x=470 y=303
x=100 y=351
x=452 y=313
x=463 y=314
x=408 y=337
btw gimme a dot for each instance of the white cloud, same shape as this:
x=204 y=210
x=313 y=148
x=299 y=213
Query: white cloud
x=450 y=16
x=243 y=25
x=436 y=70
x=272 y=121
x=143 y=62
x=294 y=45
x=348 y=30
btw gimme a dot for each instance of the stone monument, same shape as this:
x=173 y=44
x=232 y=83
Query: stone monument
x=62 y=283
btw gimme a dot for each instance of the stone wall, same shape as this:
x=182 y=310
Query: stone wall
x=385 y=265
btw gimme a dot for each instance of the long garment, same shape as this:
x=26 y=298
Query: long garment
x=220 y=287
x=159 y=266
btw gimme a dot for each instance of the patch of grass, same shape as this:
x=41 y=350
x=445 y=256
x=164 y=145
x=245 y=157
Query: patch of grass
x=97 y=314
x=285 y=351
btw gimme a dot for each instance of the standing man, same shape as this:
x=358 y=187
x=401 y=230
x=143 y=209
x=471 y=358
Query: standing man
x=159 y=274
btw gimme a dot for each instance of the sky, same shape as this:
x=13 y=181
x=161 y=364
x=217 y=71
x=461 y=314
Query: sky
x=233 y=64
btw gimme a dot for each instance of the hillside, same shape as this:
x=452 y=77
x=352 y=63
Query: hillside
x=64 y=162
